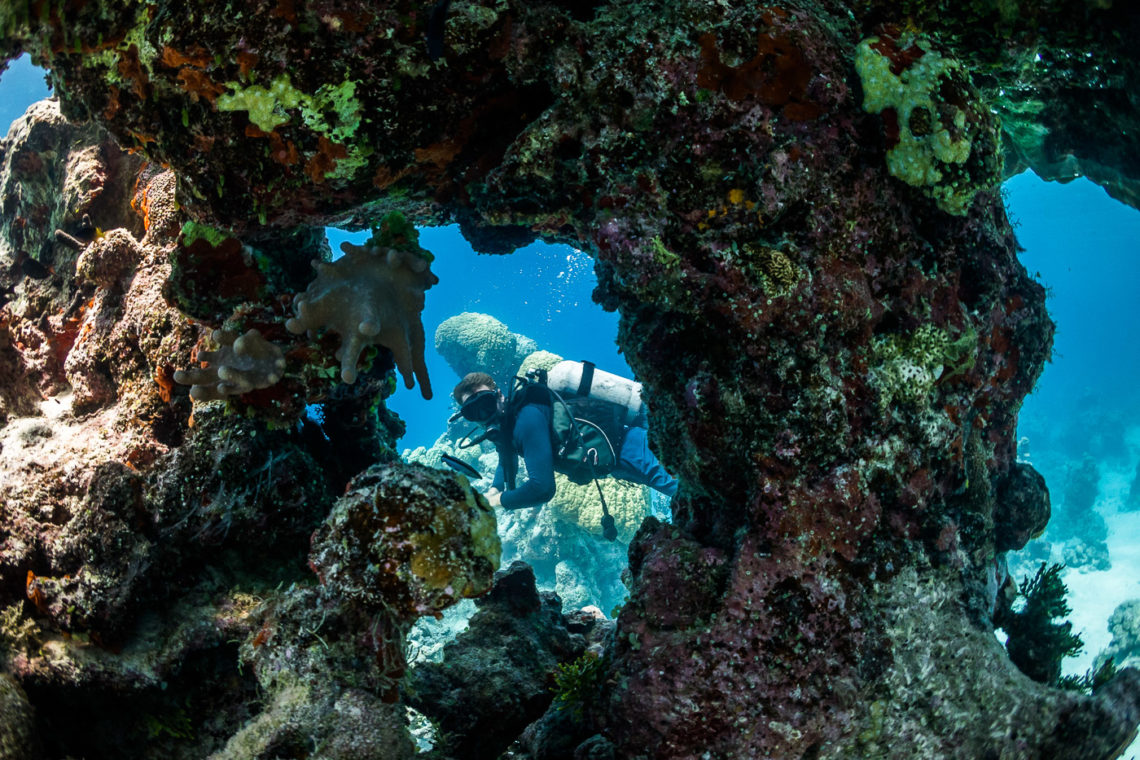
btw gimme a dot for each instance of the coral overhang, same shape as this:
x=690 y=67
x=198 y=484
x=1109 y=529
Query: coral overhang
x=834 y=359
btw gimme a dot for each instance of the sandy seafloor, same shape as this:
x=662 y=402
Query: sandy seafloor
x=1080 y=243
x=1094 y=595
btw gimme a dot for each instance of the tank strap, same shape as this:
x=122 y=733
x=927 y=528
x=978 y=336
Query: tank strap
x=587 y=379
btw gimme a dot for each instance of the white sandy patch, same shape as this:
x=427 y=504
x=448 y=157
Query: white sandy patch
x=1095 y=595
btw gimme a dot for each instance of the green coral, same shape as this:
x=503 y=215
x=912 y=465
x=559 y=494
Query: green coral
x=474 y=342
x=906 y=367
x=663 y=256
x=396 y=231
x=333 y=111
x=943 y=136
x=108 y=60
x=192 y=231
x=628 y=503
x=539 y=360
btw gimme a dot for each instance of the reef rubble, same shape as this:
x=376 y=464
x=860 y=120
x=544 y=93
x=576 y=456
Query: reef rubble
x=795 y=208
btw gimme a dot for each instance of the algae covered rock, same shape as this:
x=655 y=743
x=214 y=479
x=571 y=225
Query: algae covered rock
x=782 y=258
x=493 y=679
x=17 y=724
x=408 y=540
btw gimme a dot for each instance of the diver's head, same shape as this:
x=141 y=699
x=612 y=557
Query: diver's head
x=479 y=398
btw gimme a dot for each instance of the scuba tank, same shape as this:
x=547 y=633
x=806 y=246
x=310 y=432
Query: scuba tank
x=583 y=380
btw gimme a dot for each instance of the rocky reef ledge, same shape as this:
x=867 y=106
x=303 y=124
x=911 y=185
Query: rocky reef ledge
x=795 y=208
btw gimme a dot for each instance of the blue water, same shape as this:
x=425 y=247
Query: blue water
x=21 y=84
x=541 y=291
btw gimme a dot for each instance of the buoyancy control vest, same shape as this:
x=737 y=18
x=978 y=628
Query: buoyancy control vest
x=590 y=412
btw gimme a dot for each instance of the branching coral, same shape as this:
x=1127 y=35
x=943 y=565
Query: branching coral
x=240 y=365
x=1036 y=644
x=371 y=296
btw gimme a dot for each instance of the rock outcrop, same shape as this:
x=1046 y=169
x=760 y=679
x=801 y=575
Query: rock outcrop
x=825 y=308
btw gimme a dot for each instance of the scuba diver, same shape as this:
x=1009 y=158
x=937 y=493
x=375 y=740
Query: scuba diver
x=601 y=430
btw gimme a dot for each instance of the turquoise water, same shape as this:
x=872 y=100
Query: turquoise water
x=541 y=291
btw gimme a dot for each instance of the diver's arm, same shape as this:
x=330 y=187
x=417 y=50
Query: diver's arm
x=532 y=436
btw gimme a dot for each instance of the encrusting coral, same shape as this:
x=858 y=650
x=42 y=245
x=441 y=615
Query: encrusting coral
x=404 y=543
x=371 y=296
x=939 y=135
x=241 y=364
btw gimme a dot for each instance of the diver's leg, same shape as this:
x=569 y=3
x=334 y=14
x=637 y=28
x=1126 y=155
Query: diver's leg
x=637 y=463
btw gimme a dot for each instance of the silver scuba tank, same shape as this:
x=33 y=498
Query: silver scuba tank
x=583 y=380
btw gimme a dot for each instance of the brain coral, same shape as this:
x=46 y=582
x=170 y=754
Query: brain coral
x=408 y=540
x=371 y=296
x=579 y=505
x=473 y=342
x=539 y=360
x=240 y=365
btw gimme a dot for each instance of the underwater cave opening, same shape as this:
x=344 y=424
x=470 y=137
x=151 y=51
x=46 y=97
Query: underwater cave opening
x=541 y=291
x=1080 y=428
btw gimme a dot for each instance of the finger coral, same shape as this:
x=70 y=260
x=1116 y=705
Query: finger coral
x=240 y=365
x=371 y=296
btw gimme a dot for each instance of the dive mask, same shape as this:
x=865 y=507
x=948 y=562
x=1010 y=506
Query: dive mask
x=480 y=407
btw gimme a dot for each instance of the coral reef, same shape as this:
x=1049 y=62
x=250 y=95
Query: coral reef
x=562 y=540
x=406 y=541
x=1132 y=503
x=940 y=136
x=320 y=694
x=494 y=678
x=1022 y=510
x=17 y=728
x=1124 y=625
x=137 y=541
x=472 y=342
x=1078 y=523
x=842 y=416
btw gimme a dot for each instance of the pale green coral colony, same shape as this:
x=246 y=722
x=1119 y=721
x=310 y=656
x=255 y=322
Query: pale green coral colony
x=267 y=108
x=920 y=159
x=907 y=366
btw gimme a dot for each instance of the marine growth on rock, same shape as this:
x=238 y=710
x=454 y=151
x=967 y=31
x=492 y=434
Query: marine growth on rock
x=842 y=416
